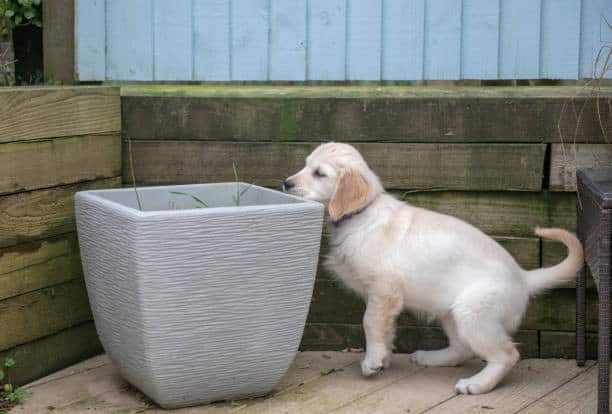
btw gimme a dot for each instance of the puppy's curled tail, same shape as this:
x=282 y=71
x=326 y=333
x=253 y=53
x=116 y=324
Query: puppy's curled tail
x=547 y=277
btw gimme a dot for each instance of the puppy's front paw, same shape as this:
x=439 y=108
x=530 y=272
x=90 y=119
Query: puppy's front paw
x=374 y=365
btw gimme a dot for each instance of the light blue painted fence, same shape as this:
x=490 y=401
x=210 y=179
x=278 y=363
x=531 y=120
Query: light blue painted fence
x=297 y=40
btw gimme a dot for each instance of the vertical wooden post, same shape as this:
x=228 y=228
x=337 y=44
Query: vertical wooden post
x=58 y=41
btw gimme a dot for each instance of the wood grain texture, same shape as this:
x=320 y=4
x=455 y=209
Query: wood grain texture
x=528 y=381
x=503 y=213
x=31 y=266
x=42 y=213
x=565 y=158
x=44 y=312
x=58 y=41
x=559 y=344
x=46 y=355
x=45 y=112
x=265 y=113
x=30 y=165
x=576 y=396
x=339 y=336
x=400 y=166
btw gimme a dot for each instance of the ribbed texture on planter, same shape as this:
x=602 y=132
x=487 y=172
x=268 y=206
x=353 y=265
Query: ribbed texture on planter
x=199 y=305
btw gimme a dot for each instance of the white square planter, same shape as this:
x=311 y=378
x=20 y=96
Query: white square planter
x=196 y=305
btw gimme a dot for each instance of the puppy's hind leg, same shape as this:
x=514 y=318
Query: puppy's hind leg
x=486 y=336
x=379 y=326
x=453 y=355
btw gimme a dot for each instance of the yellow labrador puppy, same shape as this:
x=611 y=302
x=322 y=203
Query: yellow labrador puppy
x=397 y=256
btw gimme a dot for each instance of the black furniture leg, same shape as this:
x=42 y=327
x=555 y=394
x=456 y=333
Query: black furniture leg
x=580 y=316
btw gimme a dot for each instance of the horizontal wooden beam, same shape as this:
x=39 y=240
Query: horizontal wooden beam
x=41 y=313
x=49 y=354
x=31 y=165
x=400 y=166
x=565 y=158
x=503 y=213
x=363 y=113
x=337 y=337
x=49 y=112
x=31 y=266
x=555 y=344
x=44 y=213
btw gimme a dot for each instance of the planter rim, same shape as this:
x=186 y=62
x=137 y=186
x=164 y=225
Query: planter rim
x=212 y=211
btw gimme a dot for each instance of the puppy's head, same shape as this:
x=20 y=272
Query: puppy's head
x=337 y=176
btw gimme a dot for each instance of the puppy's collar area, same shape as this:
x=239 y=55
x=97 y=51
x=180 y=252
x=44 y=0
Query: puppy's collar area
x=354 y=213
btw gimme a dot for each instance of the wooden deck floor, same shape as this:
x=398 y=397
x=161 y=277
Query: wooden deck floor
x=326 y=382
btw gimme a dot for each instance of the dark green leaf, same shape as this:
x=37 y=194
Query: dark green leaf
x=9 y=13
x=197 y=199
x=9 y=362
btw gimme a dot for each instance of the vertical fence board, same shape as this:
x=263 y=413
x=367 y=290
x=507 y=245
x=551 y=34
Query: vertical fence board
x=288 y=40
x=364 y=39
x=442 y=39
x=90 y=40
x=250 y=39
x=173 y=41
x=560 y=40
x=211 y=40
x=594 y=35
x=403 y=36
x=519 y=53
x=480 y=39
x=326 y=39
x=130 y=40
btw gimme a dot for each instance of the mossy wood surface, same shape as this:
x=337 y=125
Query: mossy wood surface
x=400 y=166
x=363 y=113
x=49 y=112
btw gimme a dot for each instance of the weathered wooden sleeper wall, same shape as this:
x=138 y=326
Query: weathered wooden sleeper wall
x=53 y=142
x=500 y=158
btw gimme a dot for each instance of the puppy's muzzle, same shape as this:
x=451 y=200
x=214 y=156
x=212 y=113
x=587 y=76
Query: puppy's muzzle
x=288 y=184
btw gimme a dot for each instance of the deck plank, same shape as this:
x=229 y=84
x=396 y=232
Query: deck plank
x=578 y=396
x=529 y=381
x=534 y=386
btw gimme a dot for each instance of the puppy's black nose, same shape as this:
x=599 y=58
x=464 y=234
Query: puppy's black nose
x=288 y=184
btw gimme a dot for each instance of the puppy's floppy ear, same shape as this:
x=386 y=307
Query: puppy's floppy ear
x=353 y=192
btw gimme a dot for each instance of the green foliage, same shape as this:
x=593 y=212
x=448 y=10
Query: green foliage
x=236 y=197
x=238 y=192
x=20 y=13
x=196 y=199
x=9 y=395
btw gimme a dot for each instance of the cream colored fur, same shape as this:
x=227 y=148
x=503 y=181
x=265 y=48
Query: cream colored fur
x=397 y=256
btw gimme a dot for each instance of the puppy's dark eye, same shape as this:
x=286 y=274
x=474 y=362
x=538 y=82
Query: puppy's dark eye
x=318 y=173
